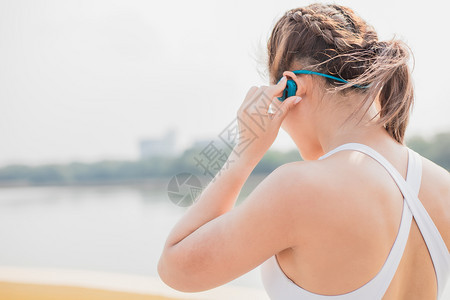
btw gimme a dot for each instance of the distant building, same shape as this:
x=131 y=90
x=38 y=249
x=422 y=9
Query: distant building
x=202 y=143
x=165 y=146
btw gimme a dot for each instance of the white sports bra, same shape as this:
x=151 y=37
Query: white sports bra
x=279 y=287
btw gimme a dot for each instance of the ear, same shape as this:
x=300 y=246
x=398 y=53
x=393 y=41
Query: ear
x=303 y=82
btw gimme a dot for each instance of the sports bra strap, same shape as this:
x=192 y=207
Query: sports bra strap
x=414 y=173
x=436 y=245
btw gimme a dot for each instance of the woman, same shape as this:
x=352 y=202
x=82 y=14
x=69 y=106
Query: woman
x=342 y=222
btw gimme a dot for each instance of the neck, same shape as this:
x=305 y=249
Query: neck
x=371 y=135
x=332 y=132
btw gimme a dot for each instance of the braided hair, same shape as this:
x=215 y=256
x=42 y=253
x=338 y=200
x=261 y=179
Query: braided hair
x=332 y=39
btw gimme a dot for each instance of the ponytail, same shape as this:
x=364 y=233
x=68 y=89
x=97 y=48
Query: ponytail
x=390 y=79
x=397 y=94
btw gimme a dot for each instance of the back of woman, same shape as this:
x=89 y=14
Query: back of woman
x=419 y=277
x=362 y=216
x=349 y=242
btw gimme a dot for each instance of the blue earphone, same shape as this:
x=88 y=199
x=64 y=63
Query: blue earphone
x=291 y=87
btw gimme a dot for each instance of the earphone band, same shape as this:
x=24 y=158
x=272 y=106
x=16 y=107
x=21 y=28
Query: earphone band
x=291 y=86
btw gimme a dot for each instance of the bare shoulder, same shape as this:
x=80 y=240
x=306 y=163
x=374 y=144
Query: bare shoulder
x=303 y=196
x=329 y=191
x=338 y=193
x=297 y=182
x=343 y=172
x=435 y=196
x=437 y=179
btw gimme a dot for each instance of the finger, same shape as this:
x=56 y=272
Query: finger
x=250 y=95
x=285 y=107
x=258 y=101
x=251 y=92
x=256 y=93
x=275 y=90
x=274 y=108
x=261 y=99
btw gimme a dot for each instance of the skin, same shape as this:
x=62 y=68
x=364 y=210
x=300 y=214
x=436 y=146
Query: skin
x=330 y=223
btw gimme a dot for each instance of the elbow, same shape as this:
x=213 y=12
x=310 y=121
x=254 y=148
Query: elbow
x=175 y=275
x=167 y=275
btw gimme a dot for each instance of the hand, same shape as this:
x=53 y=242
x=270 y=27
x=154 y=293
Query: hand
x=258 y=129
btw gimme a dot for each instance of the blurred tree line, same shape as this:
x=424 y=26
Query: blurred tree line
x=437 y=149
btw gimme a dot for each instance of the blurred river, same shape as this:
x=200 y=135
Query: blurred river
x=115 y=228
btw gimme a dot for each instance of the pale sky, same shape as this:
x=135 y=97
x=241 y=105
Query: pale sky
x=86 y=80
